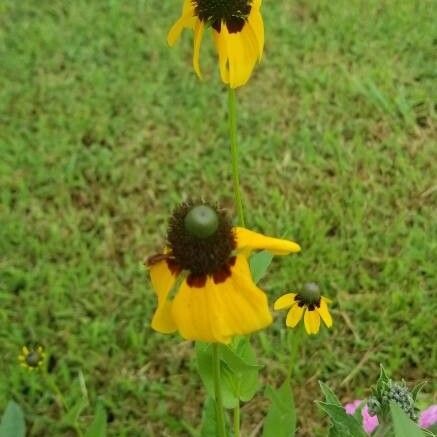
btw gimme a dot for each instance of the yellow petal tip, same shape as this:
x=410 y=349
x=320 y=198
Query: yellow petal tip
x=284 y=301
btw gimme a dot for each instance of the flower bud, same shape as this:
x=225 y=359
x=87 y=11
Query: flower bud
x=310 y=293
x=33 y=359
x=201 y=221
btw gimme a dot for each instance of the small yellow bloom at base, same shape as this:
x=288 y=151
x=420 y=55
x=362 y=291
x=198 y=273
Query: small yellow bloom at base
x=238 y=33
x=308 y=304
x=31 y=357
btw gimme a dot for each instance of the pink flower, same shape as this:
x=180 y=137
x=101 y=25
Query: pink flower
x=352 y=407
x=428 y=417
x=369 y=422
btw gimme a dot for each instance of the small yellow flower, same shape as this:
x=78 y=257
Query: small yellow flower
x=31 y=357
x=308 y=304
x=217 y=298
x=238 y=32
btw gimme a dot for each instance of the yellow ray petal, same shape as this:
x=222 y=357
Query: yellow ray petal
x=194 y=314
x=217 y=312
x=198 y=35
x=312 y=321
x=285 y=301
x=294 y=316
x=221 y=46
x=249 y=240
x=241 y=57
x=251 y=302
x=324 y=313
x=162 y=281
x=187 y=20
x=255 y=21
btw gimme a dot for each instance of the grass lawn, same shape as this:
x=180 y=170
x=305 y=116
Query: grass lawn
x=103 y=129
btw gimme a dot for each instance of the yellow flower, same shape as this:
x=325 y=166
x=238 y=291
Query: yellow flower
x=202 y=280
x=31 y=357
x=308 y=304
x=238 y=32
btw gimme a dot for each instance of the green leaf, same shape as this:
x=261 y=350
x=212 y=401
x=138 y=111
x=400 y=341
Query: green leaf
x=430 y=432
x=249 y=381
x=381 y=384
x=259 y=264
x=342 y=420
x=383 y=377
x=403 y=425
x=338 y=431
x=209 y=422
x=281 y=417
x=330 y=396
x=12 y=424
x=238 y=368
x=98 y=425
x=417 y=389
x=74 y=413
x=205 y=368
x=235 y=362
x=248 y=377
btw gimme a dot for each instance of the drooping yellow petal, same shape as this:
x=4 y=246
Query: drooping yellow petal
x=238 y=53
x=251 y=302
x=194 y=314
x=162 y=320
x=285 y=301
x=241 y=57
x=187 y=20
x=217 y=312
x=162 y=282
x=312 y=321
x=243 y=48
x=255 y=22
x=221 y=46
x=294 y=316
x=248 y=240
x=198 y=35
x=324 y=312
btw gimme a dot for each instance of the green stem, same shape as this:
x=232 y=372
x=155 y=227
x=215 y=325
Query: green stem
x=237 y=420
x=294 y=340
x=232 y=105
x=221 y=431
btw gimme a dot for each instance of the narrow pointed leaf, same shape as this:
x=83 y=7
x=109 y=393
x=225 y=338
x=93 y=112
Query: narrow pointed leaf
x=417 y=389
x=98 y=425
x=330 y=396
